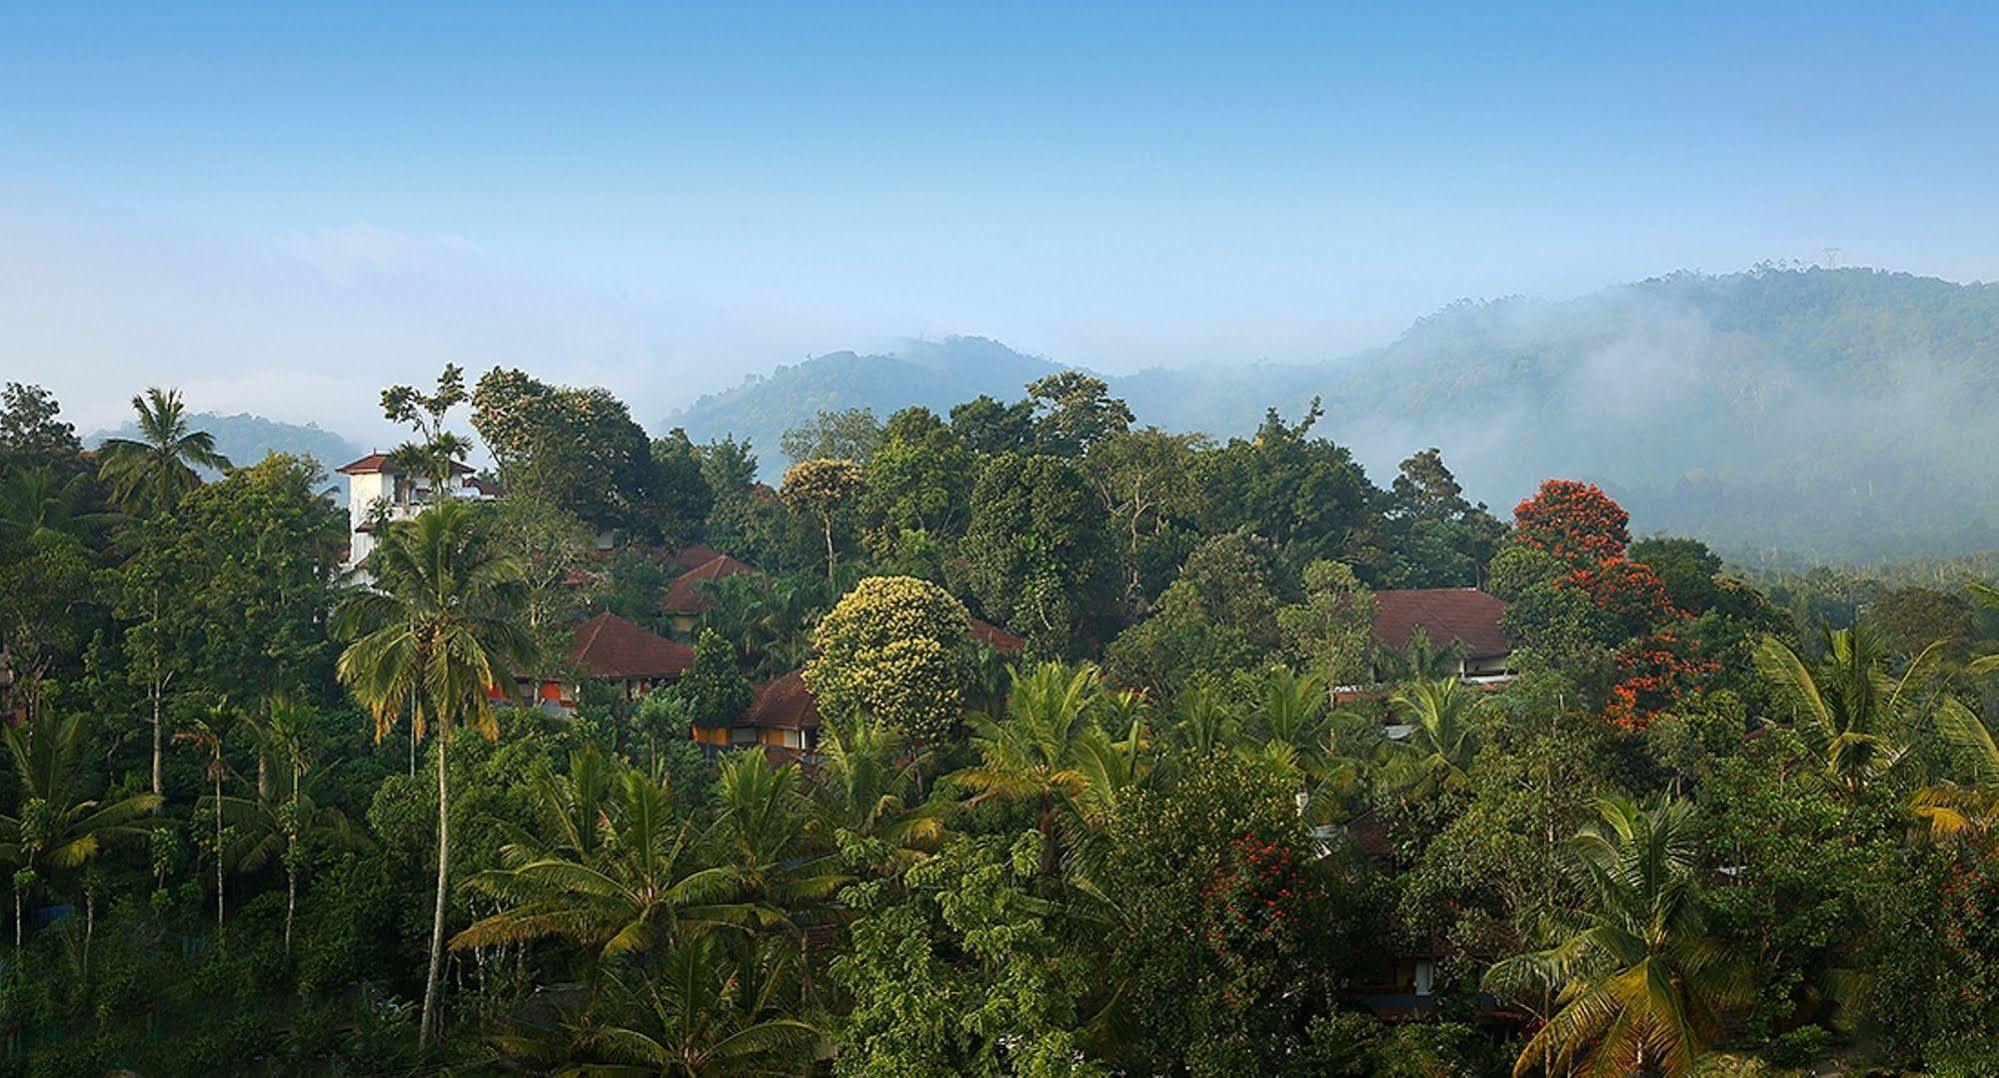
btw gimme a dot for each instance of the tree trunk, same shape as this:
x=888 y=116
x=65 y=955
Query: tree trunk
x=430 y=1029
x=89 y=930
x=218 y=860
x=156 y=728
x=830 y=556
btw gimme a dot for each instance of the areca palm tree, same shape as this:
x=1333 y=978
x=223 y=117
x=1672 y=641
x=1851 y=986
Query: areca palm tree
x=1848 y=711
x=208 y=737
x=56 y=828
x=1442 y=741
x=151 y=474
x=277 y=824
x=647 y=883
x=1641 y=985
x=433 y=646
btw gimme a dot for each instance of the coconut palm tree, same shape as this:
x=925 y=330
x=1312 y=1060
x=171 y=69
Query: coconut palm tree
x=434 y=645
x=706 y=1009
x=869 y=787
x=648 y=882
x=56 y=828
x=150 y=475
x=1442 y=741
x=1848 y=711
x=759 y=830
x=1641 y=987
x=34 y=501
x=1034 y=753
x=1948 y=808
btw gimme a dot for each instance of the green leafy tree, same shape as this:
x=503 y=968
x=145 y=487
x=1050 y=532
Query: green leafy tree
x=822 y=488
x=990 y=427
x=892 y=648
x=1040 y=557
x=1218 y=617
x=714 y=687
x=957 y=966
x=1305 y=494
x=45 y=590
x=1330 y=632
x=850 y=434
x=431 y=646
x=1146 y=481
x=436 y=451
x=1074 y=412
x=31 y=428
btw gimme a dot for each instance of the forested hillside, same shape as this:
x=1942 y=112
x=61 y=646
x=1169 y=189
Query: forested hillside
x=1818 y=412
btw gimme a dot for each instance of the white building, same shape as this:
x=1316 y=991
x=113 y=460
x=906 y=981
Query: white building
x=380 y=491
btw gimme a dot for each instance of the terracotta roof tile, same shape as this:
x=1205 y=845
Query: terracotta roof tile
x=997 y=638
x=784 y=704
x=683 y=597
x=385 y=463
x=608 y=646
x=1446 y=615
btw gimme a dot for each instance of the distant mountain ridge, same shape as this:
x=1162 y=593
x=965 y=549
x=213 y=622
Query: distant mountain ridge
x=246 y=438
x=935 y=374
x=1832 y=412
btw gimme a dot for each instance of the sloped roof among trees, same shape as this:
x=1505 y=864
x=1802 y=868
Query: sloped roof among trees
x=784 y=704
x=385 y=463
x=997 y=638
x=683 y=597
x=1446 y=615
x=608 y=646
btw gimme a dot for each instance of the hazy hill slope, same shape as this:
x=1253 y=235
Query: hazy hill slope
x=1832 y=412
x=936 y=374
x=245 y=438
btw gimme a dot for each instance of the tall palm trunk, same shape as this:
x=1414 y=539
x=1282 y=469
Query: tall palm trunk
x=291 y=855
x=218 y=854
x=430 y=1030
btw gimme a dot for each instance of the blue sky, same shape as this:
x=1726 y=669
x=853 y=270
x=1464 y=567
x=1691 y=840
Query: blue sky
x=283 y=211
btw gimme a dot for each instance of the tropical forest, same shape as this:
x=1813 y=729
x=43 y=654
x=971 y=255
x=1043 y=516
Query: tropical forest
x=1012 y=738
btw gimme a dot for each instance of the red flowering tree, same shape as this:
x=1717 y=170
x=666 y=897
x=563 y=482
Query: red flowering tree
x=1576 y=522
x=1580 y=526
x=1629 y=592
x=1654 y=672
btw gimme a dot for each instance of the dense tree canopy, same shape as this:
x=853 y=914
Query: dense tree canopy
x=1211 y=819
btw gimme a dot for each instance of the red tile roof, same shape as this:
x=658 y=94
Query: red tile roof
x=694 y=554
x=608 y=646
x=997 y=638
x=1446 y=616
x=784 y=704
x=385 y=463
x=682 y=597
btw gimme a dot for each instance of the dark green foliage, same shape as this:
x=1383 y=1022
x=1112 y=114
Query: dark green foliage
x=1040 y=558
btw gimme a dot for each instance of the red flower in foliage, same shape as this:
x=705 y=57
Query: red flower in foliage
x=1628 y=591
x=1654 y=673
x=1576 y=522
